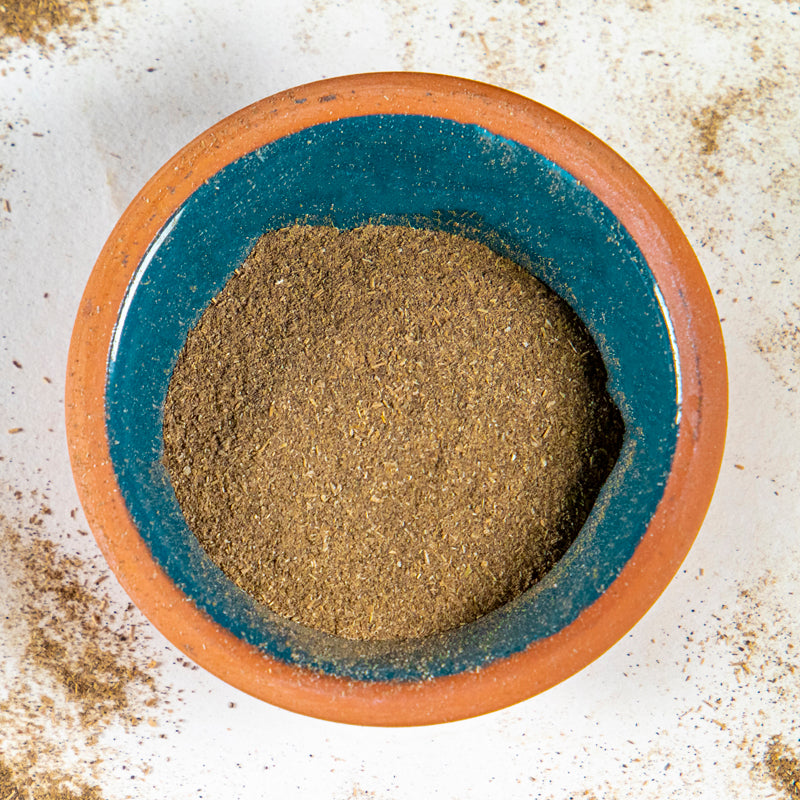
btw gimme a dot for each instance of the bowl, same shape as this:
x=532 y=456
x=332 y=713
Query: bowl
x=426 y=151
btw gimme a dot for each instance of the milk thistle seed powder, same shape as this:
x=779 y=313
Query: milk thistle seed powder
x=384 y=432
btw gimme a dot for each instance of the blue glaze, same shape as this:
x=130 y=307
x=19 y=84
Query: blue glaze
x=426 y=172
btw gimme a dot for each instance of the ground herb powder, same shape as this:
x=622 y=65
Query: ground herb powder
x=34 y=19
x=384 y=433
x=73 y=670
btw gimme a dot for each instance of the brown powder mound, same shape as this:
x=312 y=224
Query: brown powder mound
x=386 y=432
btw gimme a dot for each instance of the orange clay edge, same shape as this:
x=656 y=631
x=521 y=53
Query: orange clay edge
x=670 y=533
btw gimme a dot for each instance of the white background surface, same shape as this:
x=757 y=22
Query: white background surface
x=670 y=711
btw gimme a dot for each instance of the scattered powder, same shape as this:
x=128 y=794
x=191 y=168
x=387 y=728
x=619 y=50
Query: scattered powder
x=71 y=667
x=778 y=342
x=711 y=118
x=385 y=432
x=33 y=20
x=784 y=768
x=71 y=642
x=711 y=122
x=49 y=786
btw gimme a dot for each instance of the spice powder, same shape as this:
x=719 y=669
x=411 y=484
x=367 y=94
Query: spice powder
x=384 y=432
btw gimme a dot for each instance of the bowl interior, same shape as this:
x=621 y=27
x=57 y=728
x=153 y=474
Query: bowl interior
x=426 y=172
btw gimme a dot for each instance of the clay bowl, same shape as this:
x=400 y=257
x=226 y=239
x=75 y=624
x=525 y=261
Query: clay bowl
x=426 y=150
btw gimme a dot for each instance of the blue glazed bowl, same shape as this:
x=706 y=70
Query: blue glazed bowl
x=430 y=152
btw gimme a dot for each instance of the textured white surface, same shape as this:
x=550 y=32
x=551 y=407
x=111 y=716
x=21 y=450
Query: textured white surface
x=686 y=704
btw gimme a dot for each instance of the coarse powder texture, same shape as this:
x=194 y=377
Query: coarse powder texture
x=34 y=19
x=71 y=667
x=384 y=433
x=783 y=768
x=53 y=786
